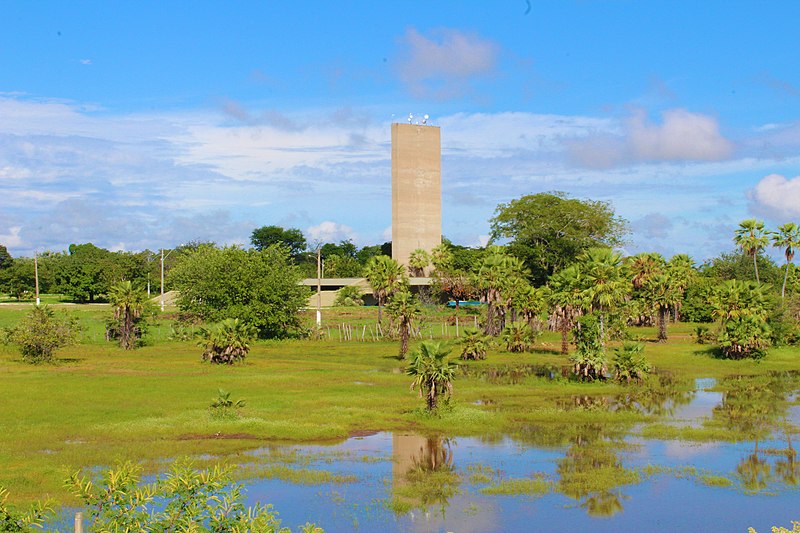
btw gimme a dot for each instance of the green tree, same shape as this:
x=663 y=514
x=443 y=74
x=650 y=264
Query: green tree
x=742 y=311
x=680 y=268
x=81 y=275
x=604 y=284
x=292 y=238
x=418 y=261
x=787 y=238
x=630 y=364
x=18 y=279
x=433 y=372
x=260 y=288
x=348 y=296
x=518 y=337
x=751 y=237
x=497 y=279
x=129 y=304
x=227 y=341
x=663 y=292
x=566 y=302
x=589 y=359
x=5 y=258
x=404 y=309
x=548 y=231
x=40 y=333
x=386 y=277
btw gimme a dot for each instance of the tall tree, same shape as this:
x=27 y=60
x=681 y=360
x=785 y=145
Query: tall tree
x=404 y=308
x=385 y=276
x=663 y=292
x=496 y=278
x=566 y=302
x=604 y=284
x=548 y=231
x=418 y=261
x=5 y=258
x=433 y=372
x=680 y=269
x=129 y=305
x=788 y=238
x=265 y=236
x=751 y=237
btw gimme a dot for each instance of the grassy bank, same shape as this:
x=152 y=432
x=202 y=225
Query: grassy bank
x=100 y=404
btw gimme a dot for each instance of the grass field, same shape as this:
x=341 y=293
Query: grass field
x=100 y=404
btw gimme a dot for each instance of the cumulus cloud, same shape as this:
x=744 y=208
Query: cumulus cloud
x=443 y=64
x=681 y=136
x=776 y=196
x=329 y=231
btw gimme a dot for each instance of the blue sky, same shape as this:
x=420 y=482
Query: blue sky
x=138 y=125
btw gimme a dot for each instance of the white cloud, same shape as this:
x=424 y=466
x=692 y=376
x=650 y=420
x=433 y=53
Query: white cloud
x=12 y=238
x=329 y=231
x=776 y=196
x=681 y=136
x=442 y=65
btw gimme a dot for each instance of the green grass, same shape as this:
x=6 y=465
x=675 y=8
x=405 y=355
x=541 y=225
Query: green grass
x=100 y=404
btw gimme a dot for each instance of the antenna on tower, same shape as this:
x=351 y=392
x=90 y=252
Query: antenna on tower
x=410 y=118
x=425 y=119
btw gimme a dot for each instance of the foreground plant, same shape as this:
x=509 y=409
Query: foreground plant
x=589 y=359
x=184 y=499
x=227 y=341
x=630 y=363
x=40 y=333
x=12 y=519
x=433 y=372
x=223 y=406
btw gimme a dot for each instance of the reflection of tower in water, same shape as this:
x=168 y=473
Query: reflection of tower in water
x=422 y=470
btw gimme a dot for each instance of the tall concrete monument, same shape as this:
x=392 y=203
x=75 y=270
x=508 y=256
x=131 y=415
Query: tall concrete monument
x=416 y=189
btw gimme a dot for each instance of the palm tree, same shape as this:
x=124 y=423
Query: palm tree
x=497 y=277
x=473 y=344
x=404 y=308
x=226 y=342
x=604 y=285
x=663 y=293
x=788 y=238
x=418 y=261
x=751 y=238
x=433 y=372
x=644 y=266
x=129 y=304
x=681 y=269
x=565 y=302
x=385 y=276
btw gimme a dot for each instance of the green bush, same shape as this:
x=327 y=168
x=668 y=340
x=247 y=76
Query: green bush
x=40 y=333
x=348 y=296
x=630 y=364
x=182 y=500
x=473 y=345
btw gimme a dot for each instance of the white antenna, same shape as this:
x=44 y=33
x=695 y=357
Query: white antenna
x=410 y=118
x=425 y=119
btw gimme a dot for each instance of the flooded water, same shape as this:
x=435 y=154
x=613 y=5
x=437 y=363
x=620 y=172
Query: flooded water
x=563 y=478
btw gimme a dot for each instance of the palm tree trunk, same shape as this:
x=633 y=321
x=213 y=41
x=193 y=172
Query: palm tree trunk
x=662 y=323
x=564 y=338
x=755 y=265
x=785 y=276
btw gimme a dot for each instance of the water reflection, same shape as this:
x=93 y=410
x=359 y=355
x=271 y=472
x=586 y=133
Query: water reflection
x=754 y=408
x=513 y=374
x=592 y=473
x=423 y=473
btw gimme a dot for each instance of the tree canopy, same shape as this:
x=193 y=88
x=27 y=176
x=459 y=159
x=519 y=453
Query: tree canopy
x=257 y=287
x=265 y=236
x=548 y=231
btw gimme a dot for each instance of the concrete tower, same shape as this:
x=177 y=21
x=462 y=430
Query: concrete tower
x=416 y=189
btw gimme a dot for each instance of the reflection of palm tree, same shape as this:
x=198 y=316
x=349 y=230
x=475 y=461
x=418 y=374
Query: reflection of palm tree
x=754 y=472
x=590 y=472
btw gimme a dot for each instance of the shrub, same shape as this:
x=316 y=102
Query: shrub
x=223 y=406
x=519 y=337
x=630 y=363
x=348 y=296
x=41 y=332
x=12 y=519
x=473 y=345
x=226 y=342
x=589 y=358
x=182 y=500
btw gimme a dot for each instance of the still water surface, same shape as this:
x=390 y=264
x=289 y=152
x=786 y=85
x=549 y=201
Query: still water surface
x=575 y=478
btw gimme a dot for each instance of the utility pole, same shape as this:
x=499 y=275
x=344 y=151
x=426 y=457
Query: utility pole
x=319 y=286
x=36 y=276
x=162 y=275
